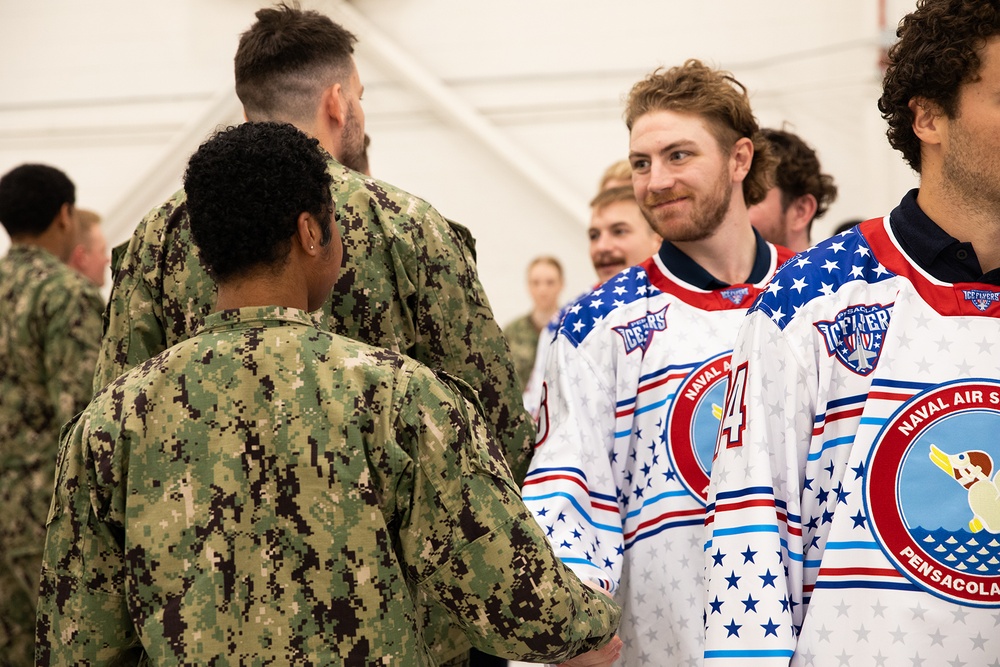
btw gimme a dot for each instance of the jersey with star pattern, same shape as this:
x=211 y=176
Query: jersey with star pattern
x=620 y=467
x=848 y=373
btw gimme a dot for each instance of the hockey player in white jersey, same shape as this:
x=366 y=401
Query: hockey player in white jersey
x=854 y=511
x=637 y=372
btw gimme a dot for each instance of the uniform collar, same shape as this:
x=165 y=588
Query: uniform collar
x=239 y=318
x=688 y=270
x=32 y=251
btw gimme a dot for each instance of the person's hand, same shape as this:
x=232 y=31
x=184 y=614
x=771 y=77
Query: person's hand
x=600 y=657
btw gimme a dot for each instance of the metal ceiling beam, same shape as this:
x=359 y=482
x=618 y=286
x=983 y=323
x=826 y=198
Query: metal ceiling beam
x=373 y=44
x=157 y=181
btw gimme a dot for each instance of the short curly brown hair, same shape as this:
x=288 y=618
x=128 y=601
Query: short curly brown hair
x=716 y=95
x=798 y=172
x=936 y=52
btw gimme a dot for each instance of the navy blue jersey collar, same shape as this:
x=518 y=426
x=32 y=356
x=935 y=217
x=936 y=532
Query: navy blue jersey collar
x=933 y=249
x=692 y=273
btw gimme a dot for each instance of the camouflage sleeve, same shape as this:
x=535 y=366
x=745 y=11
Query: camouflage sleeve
x=133 y=329
x=457 y=333
x=82 y=617
x=468 y=541
x=72 y=339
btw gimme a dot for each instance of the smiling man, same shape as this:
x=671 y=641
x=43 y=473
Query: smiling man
x=619 y=234
x=629 y=413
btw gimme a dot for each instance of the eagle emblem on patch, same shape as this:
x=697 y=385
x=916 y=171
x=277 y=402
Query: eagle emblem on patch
x=638 y=334
x=856 y=335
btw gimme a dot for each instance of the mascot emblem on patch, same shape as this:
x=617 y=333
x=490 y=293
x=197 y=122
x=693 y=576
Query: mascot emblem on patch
x=941 y=444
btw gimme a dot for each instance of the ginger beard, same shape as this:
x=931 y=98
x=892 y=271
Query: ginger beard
x=696 y=217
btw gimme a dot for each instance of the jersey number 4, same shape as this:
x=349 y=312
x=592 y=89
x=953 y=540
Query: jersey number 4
x=734 y=419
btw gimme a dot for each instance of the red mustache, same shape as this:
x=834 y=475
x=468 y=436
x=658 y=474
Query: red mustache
x=656 y=198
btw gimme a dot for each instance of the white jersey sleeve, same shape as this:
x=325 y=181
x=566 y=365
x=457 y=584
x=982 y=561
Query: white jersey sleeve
x=756 y=549
x=532 y=395
x=571 y=487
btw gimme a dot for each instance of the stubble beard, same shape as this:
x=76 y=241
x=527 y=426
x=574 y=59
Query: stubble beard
x=352 y=144
x=972 y=172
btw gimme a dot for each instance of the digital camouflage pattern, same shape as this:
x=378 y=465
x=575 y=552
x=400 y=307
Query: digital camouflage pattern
x=267 y=493
x=409 y=284
x=522 y=336
x=50 y=330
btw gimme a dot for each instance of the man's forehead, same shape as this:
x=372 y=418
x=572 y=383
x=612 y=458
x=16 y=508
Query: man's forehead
x=616 y=212
x=655 y=129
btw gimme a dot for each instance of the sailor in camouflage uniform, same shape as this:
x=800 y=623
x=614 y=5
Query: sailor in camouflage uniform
x=50 y=328
x=409 y=282
x=266 y=492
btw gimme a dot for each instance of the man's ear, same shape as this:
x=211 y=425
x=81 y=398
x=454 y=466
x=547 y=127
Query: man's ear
x=66 y=218
x=801 y=212
x=741 y=157
x=333 y=104
x=76 y=256
x=927 y=117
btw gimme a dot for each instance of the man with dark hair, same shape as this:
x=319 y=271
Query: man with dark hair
x=267 y=492
x=409 y=281
x=855 y=506
x=801 y=193
x=627 y=420
x=50 y=328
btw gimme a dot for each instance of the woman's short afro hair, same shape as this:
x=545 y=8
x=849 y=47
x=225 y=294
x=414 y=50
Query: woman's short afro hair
x=246 y=187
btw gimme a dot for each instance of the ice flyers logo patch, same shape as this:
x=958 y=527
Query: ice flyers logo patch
x=941 y=444
x=981 y=299
x=693 y=423
x=638 y=334
x=735 y=295
x=855 y=335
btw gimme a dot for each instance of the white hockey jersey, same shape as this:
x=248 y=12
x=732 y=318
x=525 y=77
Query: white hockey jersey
x=635 y=380
x=854 y=509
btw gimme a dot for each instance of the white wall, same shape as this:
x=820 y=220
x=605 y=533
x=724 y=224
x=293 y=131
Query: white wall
x=118 y=92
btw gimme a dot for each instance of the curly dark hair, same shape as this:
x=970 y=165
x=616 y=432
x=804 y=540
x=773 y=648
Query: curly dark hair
x=937 y=51
x=798 y=171
x=246 y=187
x=31 y=196
x=286 y=59
x=696 y=88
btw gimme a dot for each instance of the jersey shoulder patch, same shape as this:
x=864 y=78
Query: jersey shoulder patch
x=820 y=271
x=586 y=312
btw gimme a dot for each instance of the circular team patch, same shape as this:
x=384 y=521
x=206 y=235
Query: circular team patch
x=693 y=423
x=932 y=491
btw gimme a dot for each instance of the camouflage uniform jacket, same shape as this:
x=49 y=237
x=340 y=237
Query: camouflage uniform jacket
x=409 y=284
x=50 y=330
x=268 y=493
